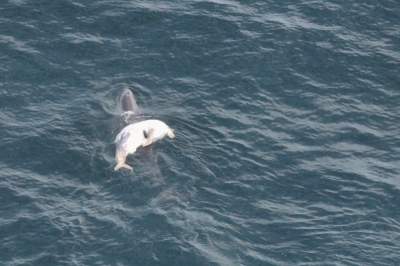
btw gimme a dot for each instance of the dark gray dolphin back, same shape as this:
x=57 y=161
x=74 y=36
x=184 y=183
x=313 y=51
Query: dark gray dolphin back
x=127 y=101
x=127 y=105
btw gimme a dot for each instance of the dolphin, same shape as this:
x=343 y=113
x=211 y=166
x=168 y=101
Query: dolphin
x=138 y=134
x=128 y=108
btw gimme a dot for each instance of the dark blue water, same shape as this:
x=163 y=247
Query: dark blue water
x=287 y=124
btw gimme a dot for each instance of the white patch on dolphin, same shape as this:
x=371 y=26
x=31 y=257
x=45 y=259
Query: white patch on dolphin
x=138 y=134
x=128 y=115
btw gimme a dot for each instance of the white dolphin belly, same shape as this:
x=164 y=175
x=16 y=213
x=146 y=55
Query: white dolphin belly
x=138 y=134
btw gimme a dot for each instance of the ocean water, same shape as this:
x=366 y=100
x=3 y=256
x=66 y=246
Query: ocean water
x=287 y=124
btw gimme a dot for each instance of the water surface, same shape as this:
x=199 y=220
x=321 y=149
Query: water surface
x=286 y=119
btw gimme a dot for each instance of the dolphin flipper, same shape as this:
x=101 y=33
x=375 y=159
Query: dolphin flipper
x=145 y=134
x=149 y=137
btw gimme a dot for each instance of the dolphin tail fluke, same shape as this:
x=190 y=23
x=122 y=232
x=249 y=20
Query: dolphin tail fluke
x=122 y=165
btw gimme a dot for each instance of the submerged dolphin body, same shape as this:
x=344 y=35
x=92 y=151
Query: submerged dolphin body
x=138 y=134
